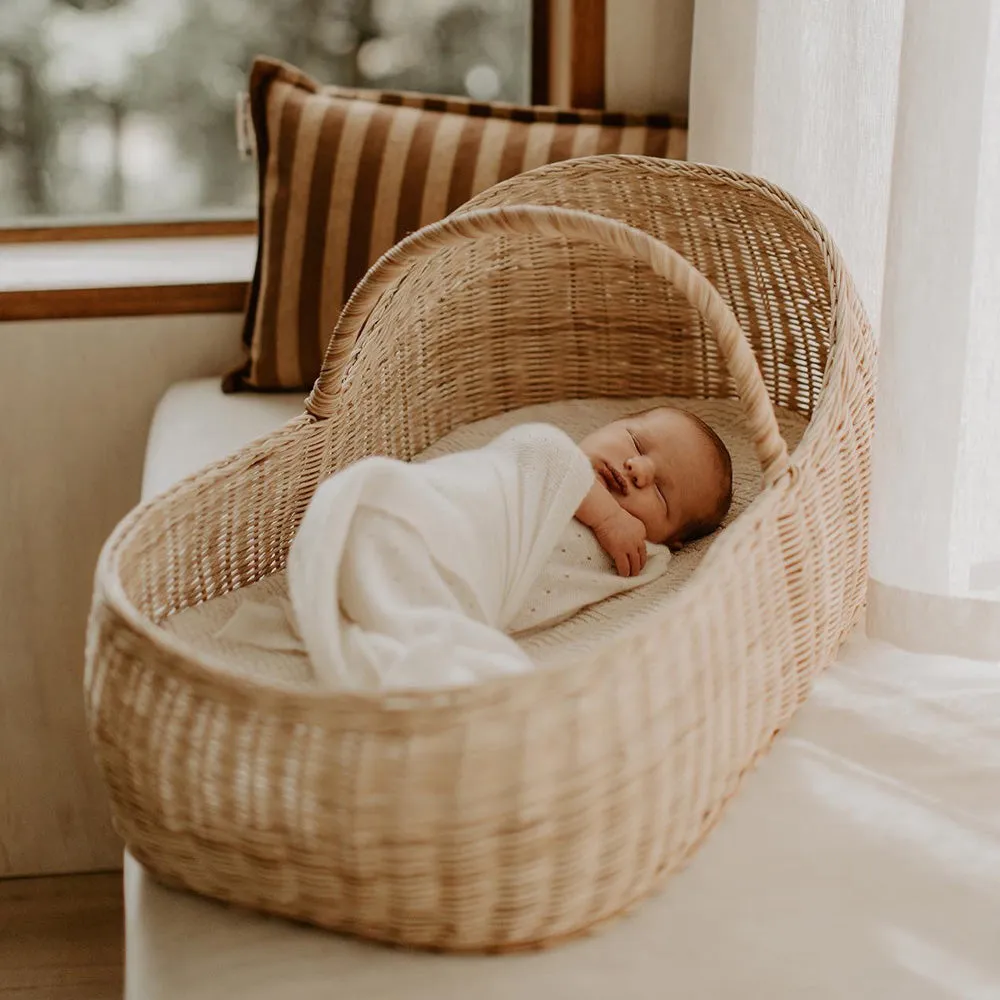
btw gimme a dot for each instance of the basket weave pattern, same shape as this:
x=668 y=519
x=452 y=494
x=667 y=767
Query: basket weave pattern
x=517 y=812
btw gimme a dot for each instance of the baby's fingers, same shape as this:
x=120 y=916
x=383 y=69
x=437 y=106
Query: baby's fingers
x=635 y=563
x=621 y=563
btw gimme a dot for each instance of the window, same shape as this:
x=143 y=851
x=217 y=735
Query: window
x=126 y=107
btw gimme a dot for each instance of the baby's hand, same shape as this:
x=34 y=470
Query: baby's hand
x=623 y=537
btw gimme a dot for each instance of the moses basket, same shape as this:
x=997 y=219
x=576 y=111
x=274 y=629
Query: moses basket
x=520 y=811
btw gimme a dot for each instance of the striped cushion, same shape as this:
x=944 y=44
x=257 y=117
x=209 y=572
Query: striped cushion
x=345 y=174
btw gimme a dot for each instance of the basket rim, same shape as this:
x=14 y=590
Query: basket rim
x=209 y=673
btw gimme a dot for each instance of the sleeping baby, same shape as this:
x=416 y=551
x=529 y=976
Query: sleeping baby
x=658 y=479
x=662 y=476
x=422 y=574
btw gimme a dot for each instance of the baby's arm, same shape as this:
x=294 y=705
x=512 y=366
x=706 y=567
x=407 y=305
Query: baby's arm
x=620 y=534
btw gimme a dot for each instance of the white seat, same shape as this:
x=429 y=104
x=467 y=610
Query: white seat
x=862 y=859
x=196 y=423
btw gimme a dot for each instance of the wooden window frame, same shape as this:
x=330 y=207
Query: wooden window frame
x=129 y=229
x=567 y=68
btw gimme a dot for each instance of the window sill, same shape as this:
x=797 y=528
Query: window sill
x=128 y=277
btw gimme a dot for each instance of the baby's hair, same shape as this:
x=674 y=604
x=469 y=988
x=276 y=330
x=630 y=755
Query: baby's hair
x=700 y=527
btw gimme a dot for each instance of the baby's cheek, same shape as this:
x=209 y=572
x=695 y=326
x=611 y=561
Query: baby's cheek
x=649 y=516
x=658 y=530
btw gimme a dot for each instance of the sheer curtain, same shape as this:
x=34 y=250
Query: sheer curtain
x=884 y=117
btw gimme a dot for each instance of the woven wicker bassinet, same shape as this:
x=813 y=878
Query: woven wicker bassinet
x=520 y=811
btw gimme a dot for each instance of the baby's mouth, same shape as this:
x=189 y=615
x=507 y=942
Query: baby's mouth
x=613 y=479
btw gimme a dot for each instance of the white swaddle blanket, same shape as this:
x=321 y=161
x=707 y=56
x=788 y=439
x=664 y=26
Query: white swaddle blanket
x=408 y=575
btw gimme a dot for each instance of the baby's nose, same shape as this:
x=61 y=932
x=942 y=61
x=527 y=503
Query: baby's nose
x=640 y=471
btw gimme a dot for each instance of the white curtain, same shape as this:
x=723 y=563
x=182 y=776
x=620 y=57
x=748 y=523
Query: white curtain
x=884 y=117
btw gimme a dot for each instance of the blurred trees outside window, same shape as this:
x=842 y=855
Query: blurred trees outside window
x=111 y=107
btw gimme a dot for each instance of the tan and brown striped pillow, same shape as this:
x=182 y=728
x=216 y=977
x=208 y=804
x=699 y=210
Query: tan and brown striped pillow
x=344 y=174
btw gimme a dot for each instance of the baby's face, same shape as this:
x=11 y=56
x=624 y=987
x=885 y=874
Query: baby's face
x=661 y=467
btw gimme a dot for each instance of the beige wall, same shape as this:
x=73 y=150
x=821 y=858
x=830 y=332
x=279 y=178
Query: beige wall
x=76 y=399
x=648 y=55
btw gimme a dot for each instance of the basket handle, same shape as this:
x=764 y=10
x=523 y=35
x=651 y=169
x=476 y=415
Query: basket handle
x=542 y=220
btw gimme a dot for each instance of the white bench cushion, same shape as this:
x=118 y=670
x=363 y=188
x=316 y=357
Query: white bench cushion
x=196 y=423
x=862 y=859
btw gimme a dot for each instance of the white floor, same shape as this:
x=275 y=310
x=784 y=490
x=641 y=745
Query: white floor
x=861 y=859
